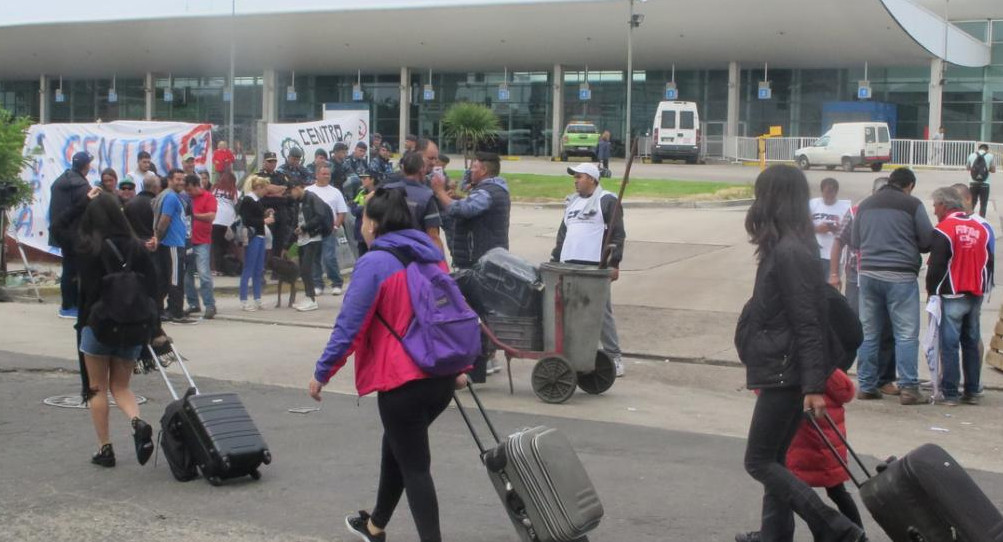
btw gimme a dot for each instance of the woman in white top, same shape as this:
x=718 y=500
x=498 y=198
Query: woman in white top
x=225 y=191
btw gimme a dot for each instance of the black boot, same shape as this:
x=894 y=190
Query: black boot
x=105 y=456
x=143 y=435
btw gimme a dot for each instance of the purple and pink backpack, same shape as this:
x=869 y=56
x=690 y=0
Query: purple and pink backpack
x=444 y=336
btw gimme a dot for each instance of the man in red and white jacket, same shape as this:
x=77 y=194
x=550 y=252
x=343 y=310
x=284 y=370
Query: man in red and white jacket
x=960 y=271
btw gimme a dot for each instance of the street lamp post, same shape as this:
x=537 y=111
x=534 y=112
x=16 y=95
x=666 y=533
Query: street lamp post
x=633 y=22
x=233 y=54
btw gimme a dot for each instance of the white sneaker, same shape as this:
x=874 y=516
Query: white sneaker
x=258 y=305
x=618 y=363
x=336 y=290
x=492 y=367
x=306 y=305
x=249 y=307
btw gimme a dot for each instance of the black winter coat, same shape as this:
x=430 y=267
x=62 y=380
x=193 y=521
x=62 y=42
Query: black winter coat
x=67 y=203
x=783 y=336
x=317 y=215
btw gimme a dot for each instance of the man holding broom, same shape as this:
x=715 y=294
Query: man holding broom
x=592 y=233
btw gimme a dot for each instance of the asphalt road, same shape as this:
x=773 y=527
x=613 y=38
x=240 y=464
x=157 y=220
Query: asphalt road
x=656 y=485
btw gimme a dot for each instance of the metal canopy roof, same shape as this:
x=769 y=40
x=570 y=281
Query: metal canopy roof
x=487 y=37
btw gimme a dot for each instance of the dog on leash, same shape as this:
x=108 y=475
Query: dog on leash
x=288 y=272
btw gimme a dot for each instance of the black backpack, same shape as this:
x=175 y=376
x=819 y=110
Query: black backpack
x=980 y=169
x=172 y=441
x=125 y=315
x=845 y=329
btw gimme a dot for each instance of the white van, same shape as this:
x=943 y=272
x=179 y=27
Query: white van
x=849 y=144
x=676 y=132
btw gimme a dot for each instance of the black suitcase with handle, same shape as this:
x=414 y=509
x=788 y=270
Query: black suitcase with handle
x=924 y=496
x=217 y=431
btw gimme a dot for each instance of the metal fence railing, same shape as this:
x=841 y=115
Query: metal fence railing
x=906 y=152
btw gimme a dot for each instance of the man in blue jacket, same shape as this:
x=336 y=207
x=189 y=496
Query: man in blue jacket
x=67 y=203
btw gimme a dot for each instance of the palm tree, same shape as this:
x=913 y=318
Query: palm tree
x=469 y=124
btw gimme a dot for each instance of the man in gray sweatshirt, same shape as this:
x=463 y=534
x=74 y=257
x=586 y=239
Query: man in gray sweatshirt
x=891 y=230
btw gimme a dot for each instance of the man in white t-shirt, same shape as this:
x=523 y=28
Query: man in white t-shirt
x=329 y=253
x=143 y=166
x=826 y=214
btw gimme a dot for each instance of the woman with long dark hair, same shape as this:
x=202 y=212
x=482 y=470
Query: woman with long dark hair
x=225 y=192
x=108 y=366
x=376 y=307
x=783 y=341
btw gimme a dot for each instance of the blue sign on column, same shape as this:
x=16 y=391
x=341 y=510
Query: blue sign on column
x=503 y=94
x=671 y=94
x=765 y=93
x=112 y=96
x=168 y=95
x=357 y=95
x=864 y=93
x=584 y=94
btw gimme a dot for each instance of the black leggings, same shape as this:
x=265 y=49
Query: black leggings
x=407 y=412
x=775 y=420
x=844 y=502
x=220 y=246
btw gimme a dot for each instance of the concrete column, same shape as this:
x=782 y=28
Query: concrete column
x=556 y=109
x=405 y=107
x=795 y=128
x=44 y=111
x=936 y=95
x=269 y=97
x=151 y=95
x=731 y=130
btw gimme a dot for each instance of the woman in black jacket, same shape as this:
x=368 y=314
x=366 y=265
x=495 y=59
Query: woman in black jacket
x=783 y=340
x=108 y=366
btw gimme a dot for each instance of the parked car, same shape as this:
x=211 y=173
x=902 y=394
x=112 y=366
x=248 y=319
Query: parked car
x=676 y=132
x=849 y=144
x=580 y=139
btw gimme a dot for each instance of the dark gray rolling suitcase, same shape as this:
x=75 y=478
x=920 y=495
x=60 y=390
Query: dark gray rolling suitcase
x=217 y=431
x=542 y=483
x=924 y=496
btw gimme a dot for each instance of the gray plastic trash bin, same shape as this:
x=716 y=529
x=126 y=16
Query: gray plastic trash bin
x=582 y=291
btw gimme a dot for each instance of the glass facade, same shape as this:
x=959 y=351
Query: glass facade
x=972 y=99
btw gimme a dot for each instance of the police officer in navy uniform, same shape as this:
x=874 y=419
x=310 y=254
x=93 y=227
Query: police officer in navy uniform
x=380 y=166
x=293 y=168
x=277 y=198
x=340 y=168
x=359 y=162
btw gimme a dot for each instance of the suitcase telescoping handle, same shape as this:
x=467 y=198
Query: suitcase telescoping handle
x=832 y=448
x=163 y=370
x=484 y=414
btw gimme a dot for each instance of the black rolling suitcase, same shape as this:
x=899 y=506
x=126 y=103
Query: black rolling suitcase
x=924 y=496
x=215 y=430
x=542 y=483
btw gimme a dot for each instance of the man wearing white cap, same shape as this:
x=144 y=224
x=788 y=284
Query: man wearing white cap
x=588 y=215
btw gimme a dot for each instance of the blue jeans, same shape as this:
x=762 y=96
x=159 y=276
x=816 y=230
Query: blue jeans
x=199 y=263
x=328 y=261
x=254 y=267
x=959 y=327
x=896 y=304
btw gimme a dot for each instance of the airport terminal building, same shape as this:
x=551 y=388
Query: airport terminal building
x=537 y=64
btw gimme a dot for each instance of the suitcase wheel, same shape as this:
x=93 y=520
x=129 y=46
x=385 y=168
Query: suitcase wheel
x=215 y=481
x=255 y=474
x=266 y=457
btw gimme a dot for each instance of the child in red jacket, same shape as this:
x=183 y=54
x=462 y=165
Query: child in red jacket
x=811 y=460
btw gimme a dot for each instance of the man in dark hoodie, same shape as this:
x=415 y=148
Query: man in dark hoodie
x=66 y=207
